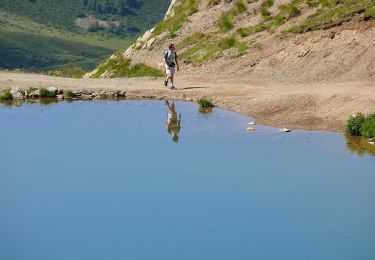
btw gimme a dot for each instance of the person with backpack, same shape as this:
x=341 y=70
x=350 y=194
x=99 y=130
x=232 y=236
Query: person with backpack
x=171 y=63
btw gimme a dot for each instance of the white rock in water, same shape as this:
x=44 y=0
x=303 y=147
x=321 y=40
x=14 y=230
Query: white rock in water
x=251 y=123
x=250 y=129
x=286 y=130
x=17 y=93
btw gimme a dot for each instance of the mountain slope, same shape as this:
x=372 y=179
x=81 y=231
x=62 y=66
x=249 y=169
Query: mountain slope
x=281 y=40
x=106 y=27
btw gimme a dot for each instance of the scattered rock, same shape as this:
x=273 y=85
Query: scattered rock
x=61 y=97
x=250 y=129
x=251 y=123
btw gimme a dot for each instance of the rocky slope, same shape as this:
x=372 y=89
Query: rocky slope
x=297 y=41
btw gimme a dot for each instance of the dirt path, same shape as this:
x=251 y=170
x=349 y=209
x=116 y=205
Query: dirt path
x=323 y=106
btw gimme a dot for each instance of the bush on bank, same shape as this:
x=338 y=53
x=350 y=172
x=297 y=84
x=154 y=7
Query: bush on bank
x=6 y=95
x=361 y=125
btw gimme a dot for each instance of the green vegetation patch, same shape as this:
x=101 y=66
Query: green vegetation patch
x=200 y=48
x=205 y=103
x=69 y=94
x=360 y=125
x=121 y=67
x=285 y=12
x=45 y=93
x=37 y=53
x=181 y=11
x=6 y=95
x=334 y=13
x=225 y=22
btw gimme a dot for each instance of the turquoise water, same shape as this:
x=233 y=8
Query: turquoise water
x=105 y=180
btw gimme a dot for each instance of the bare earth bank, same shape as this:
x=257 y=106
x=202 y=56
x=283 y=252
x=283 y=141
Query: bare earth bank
x=320 y=106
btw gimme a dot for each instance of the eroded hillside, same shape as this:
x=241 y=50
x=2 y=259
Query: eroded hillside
x=285 y=41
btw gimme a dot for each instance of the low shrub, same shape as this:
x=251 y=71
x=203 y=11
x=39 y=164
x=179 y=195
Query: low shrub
x=205 y=103
x=369 y=13
x=368 y=127
x=45 y=93
x=69 y=94
x=360 y=125
x=264 y=12
x=225 y=24
x=354 y=124
x=6 y=95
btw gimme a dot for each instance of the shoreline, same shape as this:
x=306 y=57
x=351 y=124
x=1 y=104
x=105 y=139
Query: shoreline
x=320 y=106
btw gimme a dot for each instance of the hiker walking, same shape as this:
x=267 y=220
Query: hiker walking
x=171 y=63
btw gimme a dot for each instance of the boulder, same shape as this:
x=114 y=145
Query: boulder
x=53 y=90
x=34 y=94
x=17 y=93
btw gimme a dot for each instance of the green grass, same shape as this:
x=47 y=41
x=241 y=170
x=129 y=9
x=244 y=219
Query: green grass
x=267 y=3
x=334 y=13
x=39 y=53
x=121 y=67
x=368 y=126
x=205 y=103
x=361 y=125
x=27 y=27
x=6 y=95
x=45 y=93
x=210 y=47
x=369 y=13
x=264 y=12
x=182 y=10
x=225 y=23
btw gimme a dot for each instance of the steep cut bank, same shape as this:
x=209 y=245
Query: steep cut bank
x=299 y=41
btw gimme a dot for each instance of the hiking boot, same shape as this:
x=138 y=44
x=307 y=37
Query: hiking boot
x=166 y=83
x=173 y=88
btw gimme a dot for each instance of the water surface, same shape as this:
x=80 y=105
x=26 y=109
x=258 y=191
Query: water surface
x=105 y=180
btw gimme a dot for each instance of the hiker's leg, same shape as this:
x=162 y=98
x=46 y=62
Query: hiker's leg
x=172 y=78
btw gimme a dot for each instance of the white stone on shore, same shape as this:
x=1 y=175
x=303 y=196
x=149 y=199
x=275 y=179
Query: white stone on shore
x=17 y=93
x=285 y=130
x=53 y=90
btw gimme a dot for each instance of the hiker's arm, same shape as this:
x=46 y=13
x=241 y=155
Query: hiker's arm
x=165 y=58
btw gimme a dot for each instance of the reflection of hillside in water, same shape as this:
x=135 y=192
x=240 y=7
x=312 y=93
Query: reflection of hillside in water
x=359 y=145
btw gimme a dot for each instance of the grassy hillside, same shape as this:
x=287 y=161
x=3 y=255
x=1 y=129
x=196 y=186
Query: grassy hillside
x=44 y=34
x=46 y=53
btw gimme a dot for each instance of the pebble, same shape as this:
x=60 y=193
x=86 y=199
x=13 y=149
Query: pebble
x=285 y=130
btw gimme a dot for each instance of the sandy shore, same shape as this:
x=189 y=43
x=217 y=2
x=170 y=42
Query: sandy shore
x=321 y=106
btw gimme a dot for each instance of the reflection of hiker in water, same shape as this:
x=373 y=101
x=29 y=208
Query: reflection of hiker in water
x=173 y=124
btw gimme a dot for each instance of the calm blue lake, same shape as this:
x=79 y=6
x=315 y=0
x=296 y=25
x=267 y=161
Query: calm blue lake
x=105 y=180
